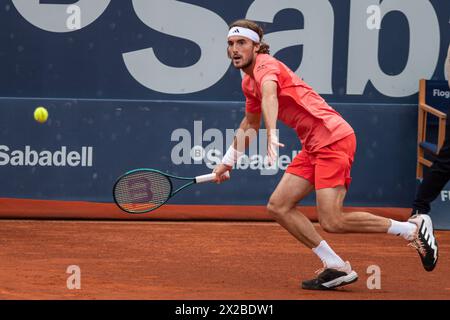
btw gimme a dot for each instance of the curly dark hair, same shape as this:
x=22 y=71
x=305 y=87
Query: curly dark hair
x=244 y=23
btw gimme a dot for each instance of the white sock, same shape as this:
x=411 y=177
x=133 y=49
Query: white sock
x=405 y=229
x=328 y=256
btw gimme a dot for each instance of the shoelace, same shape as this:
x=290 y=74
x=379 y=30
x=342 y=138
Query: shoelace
x=418 y=245
x=319 y=271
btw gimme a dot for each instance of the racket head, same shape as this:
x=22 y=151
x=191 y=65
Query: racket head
x=142 y=190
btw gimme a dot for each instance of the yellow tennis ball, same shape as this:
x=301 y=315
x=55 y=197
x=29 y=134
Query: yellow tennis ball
x=40 y=114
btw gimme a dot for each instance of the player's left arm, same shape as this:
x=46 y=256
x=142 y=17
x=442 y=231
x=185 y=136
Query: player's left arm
x=269 y=107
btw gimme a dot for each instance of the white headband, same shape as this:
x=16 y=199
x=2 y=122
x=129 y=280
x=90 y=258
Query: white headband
x=244 y=32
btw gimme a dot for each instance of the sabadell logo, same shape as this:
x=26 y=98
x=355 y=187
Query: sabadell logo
x=59 y=158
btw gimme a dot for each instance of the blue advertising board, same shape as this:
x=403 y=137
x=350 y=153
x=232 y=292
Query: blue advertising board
x=353 y=51
x=86 y=144
x=141 y=83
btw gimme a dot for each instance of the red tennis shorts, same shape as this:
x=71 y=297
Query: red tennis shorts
x=327 y=167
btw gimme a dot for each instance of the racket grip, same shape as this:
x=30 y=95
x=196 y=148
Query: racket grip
x=209 y=177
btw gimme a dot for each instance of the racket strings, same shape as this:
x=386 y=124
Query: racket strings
x=142 y=191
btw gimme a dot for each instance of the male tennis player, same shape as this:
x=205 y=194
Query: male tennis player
x=272 y=90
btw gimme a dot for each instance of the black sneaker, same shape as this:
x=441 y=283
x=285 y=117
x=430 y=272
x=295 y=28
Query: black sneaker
x=424 y=241
x=329 y=278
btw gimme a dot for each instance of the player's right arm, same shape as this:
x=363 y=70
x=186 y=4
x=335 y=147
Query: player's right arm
x=248 y=129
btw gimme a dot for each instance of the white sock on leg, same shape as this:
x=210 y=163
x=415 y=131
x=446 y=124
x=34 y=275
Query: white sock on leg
x=405 y=229
x=328 y=256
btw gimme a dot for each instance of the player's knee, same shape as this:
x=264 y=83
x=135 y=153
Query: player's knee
x=273 y=207
x=276 y=208
x=332 y=225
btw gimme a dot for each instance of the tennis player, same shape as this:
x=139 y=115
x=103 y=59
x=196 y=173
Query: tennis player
x=274 y=92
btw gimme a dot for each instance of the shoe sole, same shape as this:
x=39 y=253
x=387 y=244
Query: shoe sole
x=341 y=281
x=338 y=282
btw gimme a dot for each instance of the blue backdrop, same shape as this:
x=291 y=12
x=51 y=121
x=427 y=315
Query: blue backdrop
x=123 y=76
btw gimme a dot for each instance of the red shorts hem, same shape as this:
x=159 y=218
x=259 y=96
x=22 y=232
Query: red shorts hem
x=328 y=167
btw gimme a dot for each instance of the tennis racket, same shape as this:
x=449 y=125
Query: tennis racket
x=145 y=190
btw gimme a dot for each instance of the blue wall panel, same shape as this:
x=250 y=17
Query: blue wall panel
x=132 y=134
x=81 y=74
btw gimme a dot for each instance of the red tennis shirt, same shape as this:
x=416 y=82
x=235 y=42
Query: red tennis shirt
x=299 y=106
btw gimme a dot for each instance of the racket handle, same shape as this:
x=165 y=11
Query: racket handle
x=209 y=177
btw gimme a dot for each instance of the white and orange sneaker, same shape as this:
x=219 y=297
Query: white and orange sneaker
x=424 y=241
x=329 y=278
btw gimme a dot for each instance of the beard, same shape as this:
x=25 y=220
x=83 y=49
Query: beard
x=246 y=64
x=249 y=63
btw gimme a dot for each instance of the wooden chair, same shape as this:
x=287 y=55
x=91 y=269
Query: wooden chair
x=423 y=145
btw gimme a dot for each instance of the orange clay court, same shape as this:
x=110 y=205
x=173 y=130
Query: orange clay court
x=160 y=258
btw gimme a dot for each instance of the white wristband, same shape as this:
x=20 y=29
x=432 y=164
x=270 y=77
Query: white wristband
x=231 y=156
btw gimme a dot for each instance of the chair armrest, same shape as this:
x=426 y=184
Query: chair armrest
x=433 y=111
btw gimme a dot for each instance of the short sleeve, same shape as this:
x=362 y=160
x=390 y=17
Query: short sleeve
x=266 y=70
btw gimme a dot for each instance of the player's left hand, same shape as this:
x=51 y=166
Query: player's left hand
x=272 y=148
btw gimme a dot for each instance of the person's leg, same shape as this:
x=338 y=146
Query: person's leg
x=417 y=230
x=332 y=178
x=283 y=207
x=433 y=182
x=294 y=186
x=333 y=219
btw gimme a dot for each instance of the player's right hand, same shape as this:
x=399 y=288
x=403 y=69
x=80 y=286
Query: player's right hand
x=220 y=171
x=272 y=148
